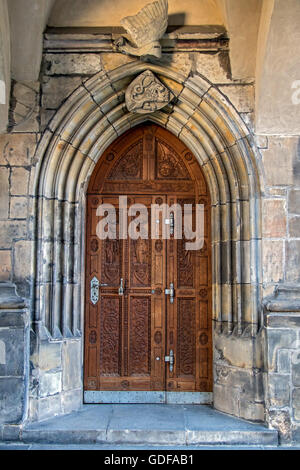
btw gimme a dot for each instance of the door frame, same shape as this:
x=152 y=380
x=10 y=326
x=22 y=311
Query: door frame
x=162 y=396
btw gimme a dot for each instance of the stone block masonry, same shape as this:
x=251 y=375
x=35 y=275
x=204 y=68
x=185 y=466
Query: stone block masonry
x=282 y=363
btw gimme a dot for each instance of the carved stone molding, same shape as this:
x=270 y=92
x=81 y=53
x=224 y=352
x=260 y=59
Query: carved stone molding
x=146 y=94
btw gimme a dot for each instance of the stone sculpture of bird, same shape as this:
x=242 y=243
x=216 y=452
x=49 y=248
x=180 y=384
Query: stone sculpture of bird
x=146 y=28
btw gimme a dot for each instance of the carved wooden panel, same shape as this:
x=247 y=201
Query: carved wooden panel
x=140 y=263
x=130 y=165
x=185 y=337
x=111 y=262
x=168 y=163
x=110 y=336
x=125 y=334
x=140 y=336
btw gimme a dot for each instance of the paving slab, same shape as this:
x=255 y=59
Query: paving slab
x=148 y=425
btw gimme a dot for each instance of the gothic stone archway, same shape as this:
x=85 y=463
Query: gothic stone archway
x=87 y=123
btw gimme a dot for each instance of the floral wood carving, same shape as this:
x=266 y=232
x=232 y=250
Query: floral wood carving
x=130 y=164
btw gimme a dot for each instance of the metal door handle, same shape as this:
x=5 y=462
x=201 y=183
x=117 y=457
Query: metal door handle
x=170 y=359
x=121 y=288
x=171 y=292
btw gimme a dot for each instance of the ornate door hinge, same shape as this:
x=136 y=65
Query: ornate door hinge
x=170 y=359
x=94 y=291
x=171 y=292
x=171 y=222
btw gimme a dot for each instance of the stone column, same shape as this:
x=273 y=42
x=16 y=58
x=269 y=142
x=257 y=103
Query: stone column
x=14 y=362
x=282 y=342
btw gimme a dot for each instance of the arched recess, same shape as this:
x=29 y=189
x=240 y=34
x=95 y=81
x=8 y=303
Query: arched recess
x=93 y=117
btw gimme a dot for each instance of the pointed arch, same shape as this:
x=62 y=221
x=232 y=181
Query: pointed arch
x=85 y=125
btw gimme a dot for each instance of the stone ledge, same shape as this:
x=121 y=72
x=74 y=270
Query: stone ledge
x=186 y=38
x=282 y=320
x=9 y=300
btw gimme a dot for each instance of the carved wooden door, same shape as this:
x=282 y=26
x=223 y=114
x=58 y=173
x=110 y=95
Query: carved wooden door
x=142 y=343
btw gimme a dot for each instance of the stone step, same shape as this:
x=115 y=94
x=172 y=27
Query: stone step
x=149 y=425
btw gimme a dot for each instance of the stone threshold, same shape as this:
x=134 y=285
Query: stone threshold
x=155 y=424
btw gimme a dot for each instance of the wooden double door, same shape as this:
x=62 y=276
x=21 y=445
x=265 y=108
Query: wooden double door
x=148 y=298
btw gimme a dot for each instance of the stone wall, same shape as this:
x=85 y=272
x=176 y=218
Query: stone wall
x=282 y=362
x=14 y=357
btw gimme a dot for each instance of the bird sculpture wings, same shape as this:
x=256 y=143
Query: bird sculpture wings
x=145 y=29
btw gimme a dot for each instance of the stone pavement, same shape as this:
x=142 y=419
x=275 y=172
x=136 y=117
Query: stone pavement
x=152 y=426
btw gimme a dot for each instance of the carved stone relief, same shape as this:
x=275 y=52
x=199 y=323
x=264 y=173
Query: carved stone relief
x=145 y=28
x=146 y=94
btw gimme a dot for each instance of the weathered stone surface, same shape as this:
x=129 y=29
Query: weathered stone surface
x=17 y=149
x=19 y=181
x=278 y=160
x=5 y=265
x=12 y=399
x=182 y=62
x=277 y=112
x=226 y=400
x=293 y=261
x=296 y=403
x=46 y=116
x=50 y=383
x=111 y=61
x=241 y=96
x=14 y=342
x=294 y=227
x=261 y=141
x=236 y=351
x=296 y=368
x=280 y=420
x=56 y=89
x=273 y=261
x=22 y=257
x=294 y=201
x=278 y=390
x=250 y=410
x=10 y=231
x=248 y=382
x=72 y=64
x=25 y=107
x=215 y=67
x=71 y=365
x=278 y=339
x=274 y=218
x=49 y=356
x=4 y=192
x=72 y=400
x=44 y=408
x=18 y=207
x=284 y=361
